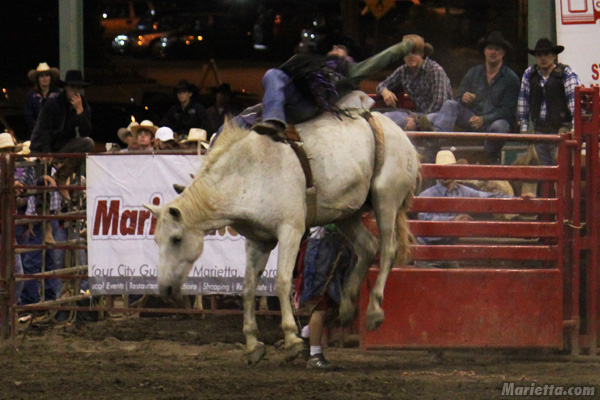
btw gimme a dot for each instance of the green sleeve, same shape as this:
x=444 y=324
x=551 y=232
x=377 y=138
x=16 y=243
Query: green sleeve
x=379 y=61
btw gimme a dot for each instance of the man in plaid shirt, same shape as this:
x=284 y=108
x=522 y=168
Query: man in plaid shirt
x=428 y=86
x=547 y=96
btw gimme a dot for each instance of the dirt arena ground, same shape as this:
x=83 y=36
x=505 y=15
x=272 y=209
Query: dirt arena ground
x=195 y=358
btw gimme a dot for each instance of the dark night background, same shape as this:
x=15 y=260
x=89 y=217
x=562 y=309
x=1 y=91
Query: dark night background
x=30 y=34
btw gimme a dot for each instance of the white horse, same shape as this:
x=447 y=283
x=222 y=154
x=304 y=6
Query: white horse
x=257 y=186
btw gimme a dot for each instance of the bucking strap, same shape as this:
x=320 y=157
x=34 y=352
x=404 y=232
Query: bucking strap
x=311 y=194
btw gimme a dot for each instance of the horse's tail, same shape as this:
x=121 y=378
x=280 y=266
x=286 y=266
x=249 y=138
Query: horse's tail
x=405 y=237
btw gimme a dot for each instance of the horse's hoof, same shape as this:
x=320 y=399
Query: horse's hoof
x=256 y=355
x=374 y=319
x=347 y=312
x=292 y=352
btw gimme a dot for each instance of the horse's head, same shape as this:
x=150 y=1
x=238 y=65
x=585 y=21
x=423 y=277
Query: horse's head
x=179 y=247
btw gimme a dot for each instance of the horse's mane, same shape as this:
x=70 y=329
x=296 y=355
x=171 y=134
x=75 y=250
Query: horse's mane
x=198 y=201
x=232 y=133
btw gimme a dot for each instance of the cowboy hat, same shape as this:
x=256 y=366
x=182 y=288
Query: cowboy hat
x=32 y=75
x=197 y=135
x=145 y=125
x=445 y=157
x=7 y=141
x=74 y=77
x=496 y=38
x=122 y=133
x=184 y=85
x=420 y=46
x=164 y=134
x=544 y=44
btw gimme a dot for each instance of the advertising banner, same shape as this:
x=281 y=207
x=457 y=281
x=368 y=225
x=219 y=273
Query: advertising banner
x=122 y=254
x=578 y=29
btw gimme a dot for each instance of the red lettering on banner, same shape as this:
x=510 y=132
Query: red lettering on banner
x=128 y=222
x=111 y=219
x=107 y=217
x=595 y=74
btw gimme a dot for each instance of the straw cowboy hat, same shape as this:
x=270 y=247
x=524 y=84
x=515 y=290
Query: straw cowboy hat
x=420 y=46
x=496 y=38
x=197 y=135
x=144 y=125
x=164 y=134
x=7 y=141
x=545 y=44
x=445 y=157
x=43 y=67
x=122 y=133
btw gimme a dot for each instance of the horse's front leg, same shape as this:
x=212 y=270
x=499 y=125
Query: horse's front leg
x=289 y=243
x=257 y=255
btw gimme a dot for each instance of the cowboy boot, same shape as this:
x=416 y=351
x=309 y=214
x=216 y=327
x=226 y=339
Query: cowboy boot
x=273 y=129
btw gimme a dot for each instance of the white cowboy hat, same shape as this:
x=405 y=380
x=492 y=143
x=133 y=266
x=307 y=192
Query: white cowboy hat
x=164 y=134
x=144 y=125
x=43 y=67
x=7 y=141
x=197 y=135
x=445 y=157
x=122 y=133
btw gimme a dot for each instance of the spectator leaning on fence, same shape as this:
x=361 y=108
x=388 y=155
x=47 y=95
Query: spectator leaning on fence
x=487 y=95
x=547 y=97
x=7 y=145
x=449 y=188
x=126 y=137
x=144 y=135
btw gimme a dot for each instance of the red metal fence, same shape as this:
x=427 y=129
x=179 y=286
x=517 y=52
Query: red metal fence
x=519 y=283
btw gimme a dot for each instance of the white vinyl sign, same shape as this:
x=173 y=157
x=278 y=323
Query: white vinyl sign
x=578 y=30
x=122 y=254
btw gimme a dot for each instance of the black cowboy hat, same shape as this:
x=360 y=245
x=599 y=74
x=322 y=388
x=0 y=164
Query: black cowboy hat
x=545 y=44
x=75 y=77
x=494 y=37
x=184 y=85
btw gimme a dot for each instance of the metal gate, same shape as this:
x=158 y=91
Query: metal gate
x=521 y=281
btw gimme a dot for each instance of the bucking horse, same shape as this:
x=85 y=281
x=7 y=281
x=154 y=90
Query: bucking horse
x=257 y=186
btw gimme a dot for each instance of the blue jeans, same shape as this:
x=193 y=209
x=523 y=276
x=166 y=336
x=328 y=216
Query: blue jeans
x=61 y=234
x=18 y=271
x=442 y=121
x=492 y=148
x=282 y=102
x=546 y=152
x=32 y=264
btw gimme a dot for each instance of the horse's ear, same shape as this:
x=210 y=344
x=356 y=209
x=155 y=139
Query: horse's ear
x=175 y=213
x=178 y=188
x=155 y=210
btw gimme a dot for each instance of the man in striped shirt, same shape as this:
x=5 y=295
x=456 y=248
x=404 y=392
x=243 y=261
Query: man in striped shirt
x=547 y=96
x=428 y=86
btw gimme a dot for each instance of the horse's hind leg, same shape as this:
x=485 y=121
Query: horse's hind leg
x=257 y=255
x=365 y=246
x=289 y=242
x=393 y=230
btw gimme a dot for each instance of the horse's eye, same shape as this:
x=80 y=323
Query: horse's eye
x=176 y=240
